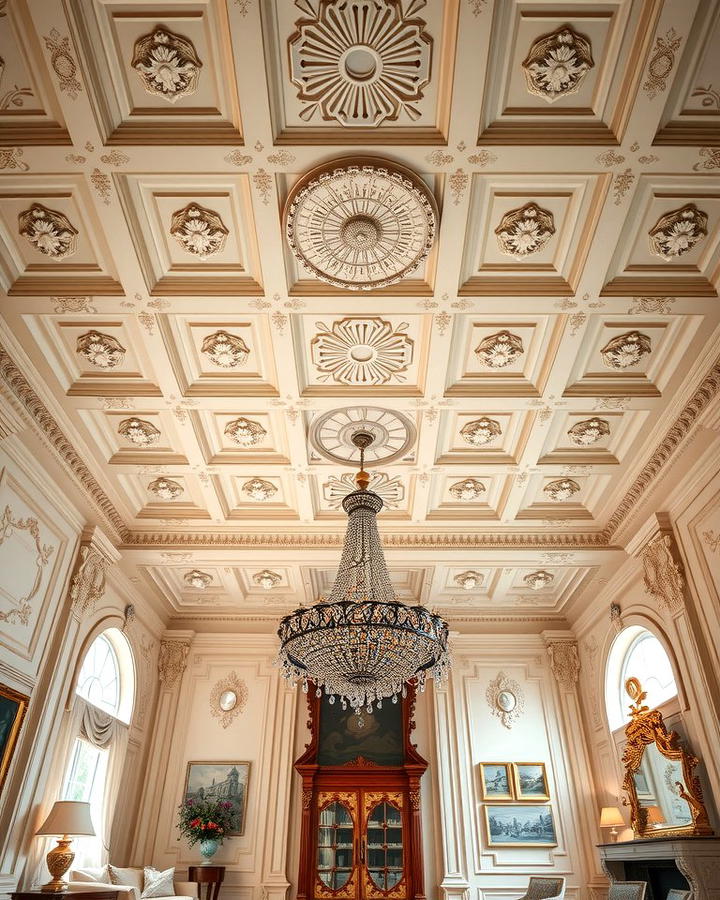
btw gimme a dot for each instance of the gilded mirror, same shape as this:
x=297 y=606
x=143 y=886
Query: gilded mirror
x=664 y=794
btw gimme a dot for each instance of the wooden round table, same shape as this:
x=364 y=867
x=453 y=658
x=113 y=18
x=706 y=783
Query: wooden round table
x=211 y=876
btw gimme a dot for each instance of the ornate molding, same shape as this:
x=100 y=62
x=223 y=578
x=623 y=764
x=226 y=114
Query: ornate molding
x=661 y=63
x=525 y=231
x=238 y=687
x=101 y=350
x=663 y=576
x=499 y=350
x=362 y=352
x=199 y=231
x=625 y=350
x=390 y=490
x=87 y=586
x=481 y=431
x=506 y=699
x=172 y=660
x=467 y=490
x=539 y=580
x=20 y=614
x=564 y=662
x=225 y=350
x=259 y=489
x=165 y=488
x=589 y=431
x=245 y=432
x=167 y=63
x=676 y=232
x=139 y=431
x=557 y=64
x=561 y=489
x=51 y=232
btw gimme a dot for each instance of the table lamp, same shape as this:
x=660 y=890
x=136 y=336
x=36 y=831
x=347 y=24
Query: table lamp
x=610 y=817
x=67 y=819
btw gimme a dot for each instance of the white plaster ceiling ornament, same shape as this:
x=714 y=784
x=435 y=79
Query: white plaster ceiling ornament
x=139 y=432
x=524 y=231
x=480 y=431
x=499 y=350
x=469 y=489
x=228 y=351
x=360 y=223
x=267 y=579
x=557 y=63
x=469 y=580
x=362 y=352
x=167 y=64
x=198 y=230
x=228 y=698
x=197 y=579
x=245 y=432
x=506 y=699
x=360 y=62
x=626 y=350
x=390 y=490
x=589 y=431
x=562 y=489
x=539 y=580
x=259 y=489
x=166 y=488
x=101 y=350
x=49 y=230
x=678 y=231
x=393 y=434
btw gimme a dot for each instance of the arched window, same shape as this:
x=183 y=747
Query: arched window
x=637 y=652
x=107 y=682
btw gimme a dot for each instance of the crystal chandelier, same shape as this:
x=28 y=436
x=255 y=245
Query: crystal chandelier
x=362 y=645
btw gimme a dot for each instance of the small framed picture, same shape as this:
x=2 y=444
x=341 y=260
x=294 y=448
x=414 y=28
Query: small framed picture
x=520 y=825
x=530 y=781
x=220 y=781
x=13 y=706
x=496 y=781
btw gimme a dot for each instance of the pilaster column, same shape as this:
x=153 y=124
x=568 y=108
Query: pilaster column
x=172 y=662
x=562 y=649
x=87 y=585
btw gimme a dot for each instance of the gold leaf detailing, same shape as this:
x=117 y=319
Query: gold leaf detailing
x=678 y=231
x=525 y=230
x=198 y=230
x=358 y=351
x=49 y=230
x=167 y=63
x=557 y=64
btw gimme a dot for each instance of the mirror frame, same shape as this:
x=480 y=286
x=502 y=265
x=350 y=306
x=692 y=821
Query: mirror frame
x=646 y=726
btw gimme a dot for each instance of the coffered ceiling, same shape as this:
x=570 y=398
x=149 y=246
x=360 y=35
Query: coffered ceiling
x=521 y=374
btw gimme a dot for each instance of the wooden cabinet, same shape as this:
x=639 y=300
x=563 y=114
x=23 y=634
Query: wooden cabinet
x=361 y=832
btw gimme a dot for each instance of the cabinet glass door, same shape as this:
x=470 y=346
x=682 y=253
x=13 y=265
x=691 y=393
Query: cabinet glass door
x=385 y=846
x=335 y=846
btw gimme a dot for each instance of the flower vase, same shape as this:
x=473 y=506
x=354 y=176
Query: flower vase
x=208 y=848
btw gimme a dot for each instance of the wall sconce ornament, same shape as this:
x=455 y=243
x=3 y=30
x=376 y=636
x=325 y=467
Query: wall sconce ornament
x=228 y=698
x=506 y=699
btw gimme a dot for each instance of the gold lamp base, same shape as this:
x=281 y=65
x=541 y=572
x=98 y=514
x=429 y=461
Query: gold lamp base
x=59 y=860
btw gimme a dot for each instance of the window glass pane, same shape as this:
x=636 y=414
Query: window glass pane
x=647 y=660
x=85 y=781
x=99 y=679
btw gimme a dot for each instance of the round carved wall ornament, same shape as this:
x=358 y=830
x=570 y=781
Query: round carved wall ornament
x=360 y=223
x=228 y=698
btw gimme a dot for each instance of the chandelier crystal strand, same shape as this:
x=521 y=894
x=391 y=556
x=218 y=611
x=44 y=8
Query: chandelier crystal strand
x=362 y=645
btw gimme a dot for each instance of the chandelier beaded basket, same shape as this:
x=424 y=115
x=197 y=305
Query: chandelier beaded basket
x=362 y=645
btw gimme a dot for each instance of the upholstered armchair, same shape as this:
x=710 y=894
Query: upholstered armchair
x=627 y=890
x=677 y=894
x=545 y=889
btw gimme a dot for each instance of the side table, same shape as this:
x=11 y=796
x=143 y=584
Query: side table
x=212 y=876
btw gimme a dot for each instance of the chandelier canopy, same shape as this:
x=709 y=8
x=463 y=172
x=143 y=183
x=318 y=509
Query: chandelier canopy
x=362 y=645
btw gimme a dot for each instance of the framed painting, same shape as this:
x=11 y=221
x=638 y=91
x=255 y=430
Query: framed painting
x=516 y=825
x=226 y=781
x=13 y=706
x=496 y=781
x=342 y=739
x=530 y=781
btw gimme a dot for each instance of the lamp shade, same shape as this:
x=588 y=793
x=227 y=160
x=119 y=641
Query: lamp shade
x=70 y=817
x=610 y=817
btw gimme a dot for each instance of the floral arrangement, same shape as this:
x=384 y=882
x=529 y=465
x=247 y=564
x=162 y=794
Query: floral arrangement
x=200 y=820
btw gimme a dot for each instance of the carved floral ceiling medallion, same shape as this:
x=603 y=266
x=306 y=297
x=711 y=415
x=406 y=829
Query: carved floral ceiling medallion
x=49 y=230
x=166 y=489
x=557 y=64
x=524 y=231
x=266 y=579
x=480 y=431
x=198 y=230
x=499 y=350
x=469 y=580
x=197 y=579
x=468 y=489
x=245 y=432
x=626 y=350
x=678 y=231
x=362 y=352
x=589 y=431
x=539 y=580
x=228 y=351
x=393 y=434
x=360 y=62
x=561 y=489
x=259 y=489
x=101 y=350
x=360 y=223
x=139 y=432
x=390 y=490
x=167 y=64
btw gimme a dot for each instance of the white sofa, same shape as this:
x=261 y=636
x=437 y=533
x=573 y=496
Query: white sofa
x=99 y=880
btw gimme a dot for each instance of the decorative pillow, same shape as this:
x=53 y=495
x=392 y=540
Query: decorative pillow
x=127 y=877
x=159 y=884
x=85 y=875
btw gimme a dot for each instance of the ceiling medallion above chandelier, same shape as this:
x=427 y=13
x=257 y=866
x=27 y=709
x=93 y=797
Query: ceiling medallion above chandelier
x=360 y=223
x=362 y=646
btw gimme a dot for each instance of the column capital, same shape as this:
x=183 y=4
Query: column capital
x=654 y=544
x=562 y=649
x=87 y=587
x=172 y=660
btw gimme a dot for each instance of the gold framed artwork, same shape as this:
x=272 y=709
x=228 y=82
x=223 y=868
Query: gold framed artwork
x=496 y=781
x=530 y=781
x=520 y=825
x=13 y=706
x=220 y=781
